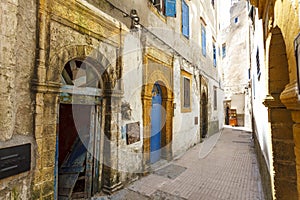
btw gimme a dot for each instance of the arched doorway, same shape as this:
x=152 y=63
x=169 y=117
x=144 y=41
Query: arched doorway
x=204 y=115
x=78 y=140
x=157 y=73
x=156 y=124
x=280 y=119
x=227 y=115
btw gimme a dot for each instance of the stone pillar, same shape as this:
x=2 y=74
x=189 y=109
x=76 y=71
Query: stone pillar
x=110 y=174
x=168 y=131
x=283 y=148
x=45 y=135
x=290 y=98
x=147 y=132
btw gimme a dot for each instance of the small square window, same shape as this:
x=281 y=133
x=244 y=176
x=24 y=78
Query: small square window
x=215 y=98
x=258 y=65
x=223 y=50
x=214 y=55
x=185 y=91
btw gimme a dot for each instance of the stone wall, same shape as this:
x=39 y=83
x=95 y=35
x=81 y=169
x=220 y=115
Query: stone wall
x=263 y=169
x=17 y=61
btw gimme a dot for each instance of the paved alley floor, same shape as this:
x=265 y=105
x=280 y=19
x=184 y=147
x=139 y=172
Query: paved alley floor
x=224 y=166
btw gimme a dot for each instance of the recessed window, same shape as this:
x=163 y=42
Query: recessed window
x=186 y=96
x=213 y=3
x=203 y=40
x=258 y=65
x=223 y=50
x=236 y=20
x=165 y=7
x=185 y=19
x=215 y=98
x=185 y=91
x=214 y=55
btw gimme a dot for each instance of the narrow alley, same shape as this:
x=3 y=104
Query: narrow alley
x=152 y=99
x=223 y=166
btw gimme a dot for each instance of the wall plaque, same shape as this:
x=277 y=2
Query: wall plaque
x=15 y=160
x=133 y=132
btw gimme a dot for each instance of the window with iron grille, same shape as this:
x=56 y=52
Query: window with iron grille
x=258 y=65
x=214 y=55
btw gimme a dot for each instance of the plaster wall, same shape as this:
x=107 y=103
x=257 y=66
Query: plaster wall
x=185 y=131
x=130 y=158
x=261 y=124
x=215 y=116
x=259 y=93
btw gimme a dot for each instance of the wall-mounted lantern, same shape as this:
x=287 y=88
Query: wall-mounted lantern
x=134 y=19
x=297 y=54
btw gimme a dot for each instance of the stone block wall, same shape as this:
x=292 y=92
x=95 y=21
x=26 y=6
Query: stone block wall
x=17 y=60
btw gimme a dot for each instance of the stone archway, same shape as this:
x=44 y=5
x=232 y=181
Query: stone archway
x=47 y=88
x=159 y=72
x=204 y=115
x=280 y=120
x=79 y=147
x=203 y=108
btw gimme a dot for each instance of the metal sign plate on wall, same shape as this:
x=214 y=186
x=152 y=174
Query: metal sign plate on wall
x=15 y=160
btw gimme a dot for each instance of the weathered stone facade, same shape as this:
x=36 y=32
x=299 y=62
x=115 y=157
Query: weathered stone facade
x=280 y=27
x=44 y=46
x=16 y=72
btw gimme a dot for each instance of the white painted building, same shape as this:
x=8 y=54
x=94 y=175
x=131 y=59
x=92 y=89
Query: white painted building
x=261 y=126
x=236 y=64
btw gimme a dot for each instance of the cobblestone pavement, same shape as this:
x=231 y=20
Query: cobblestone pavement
x=224 y=166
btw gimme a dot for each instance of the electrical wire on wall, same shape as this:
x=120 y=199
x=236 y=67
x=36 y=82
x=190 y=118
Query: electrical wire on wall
x=133 y=16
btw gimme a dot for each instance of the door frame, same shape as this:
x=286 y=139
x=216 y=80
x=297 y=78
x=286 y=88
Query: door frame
x=93 y=96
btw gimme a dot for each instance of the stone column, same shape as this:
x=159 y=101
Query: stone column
x=290 y=98
x=110 y=174
x=45 y=135
x=168 y=134
x=283 y=148
x=147 y=132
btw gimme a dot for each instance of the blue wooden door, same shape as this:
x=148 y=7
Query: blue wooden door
x=155 y=140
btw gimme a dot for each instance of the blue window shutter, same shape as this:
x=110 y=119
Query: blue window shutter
x=170 y=8
x=185 y=19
